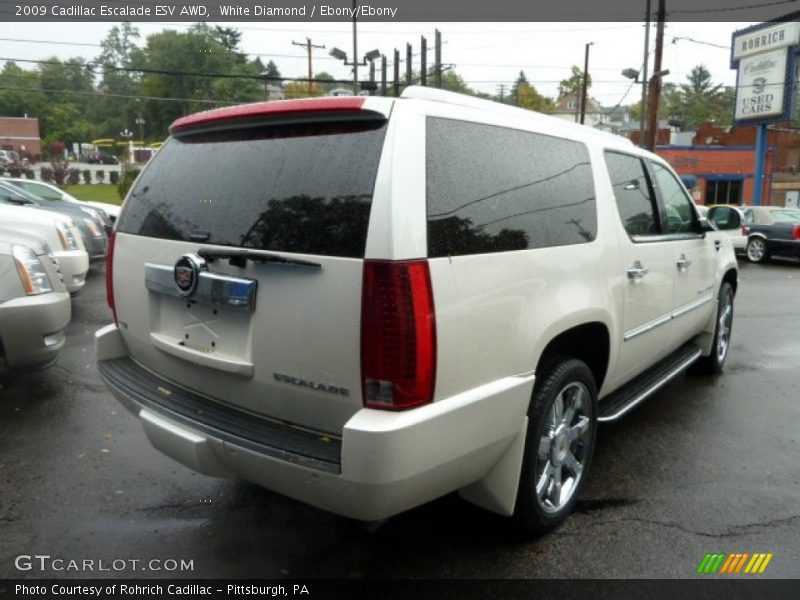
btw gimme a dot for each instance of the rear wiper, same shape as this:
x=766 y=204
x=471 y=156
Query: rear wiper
x=239 y=257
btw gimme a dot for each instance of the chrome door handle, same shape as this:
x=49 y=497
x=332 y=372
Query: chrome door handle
x=637 y=271
x=683 y=263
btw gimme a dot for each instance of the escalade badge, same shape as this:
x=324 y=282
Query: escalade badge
x=187 y=272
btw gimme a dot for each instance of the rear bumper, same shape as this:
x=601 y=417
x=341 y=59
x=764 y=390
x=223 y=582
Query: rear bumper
x=382 y=464
x=73 y=265
x=32 y=329
x=739 y=242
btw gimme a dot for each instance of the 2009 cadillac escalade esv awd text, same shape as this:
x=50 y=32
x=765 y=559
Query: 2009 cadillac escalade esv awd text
x=373 y=302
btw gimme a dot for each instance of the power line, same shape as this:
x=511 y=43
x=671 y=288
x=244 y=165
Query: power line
x=109 y=95
x=688 y=39
x=729 y=8
x=93 y=66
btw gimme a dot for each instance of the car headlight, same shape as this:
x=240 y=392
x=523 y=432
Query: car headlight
x=31 y=272
x=68 y=240
x=94 y=230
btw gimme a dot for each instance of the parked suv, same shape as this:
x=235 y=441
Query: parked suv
x=382 y=301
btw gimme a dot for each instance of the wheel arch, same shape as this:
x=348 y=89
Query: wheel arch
x=589 y=342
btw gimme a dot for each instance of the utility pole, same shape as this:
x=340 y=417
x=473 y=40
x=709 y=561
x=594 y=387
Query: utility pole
x=646 y=60
x=655 y=82
x=409 y=58
x=355 y=50
x=437 y=60
x=372 y=77
x=585 y=85
x=502 y=92
x=423 y=71
x=383 y=75
x=396 y=72
x=309 y=46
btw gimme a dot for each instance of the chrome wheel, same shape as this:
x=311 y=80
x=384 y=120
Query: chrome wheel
x=724 y=325
x=756 y=249
x=564 y=447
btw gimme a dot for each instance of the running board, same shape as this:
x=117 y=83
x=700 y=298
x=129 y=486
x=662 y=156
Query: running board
x=612 y=407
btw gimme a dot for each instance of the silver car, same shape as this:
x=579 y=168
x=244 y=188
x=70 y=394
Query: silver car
x=34 y=303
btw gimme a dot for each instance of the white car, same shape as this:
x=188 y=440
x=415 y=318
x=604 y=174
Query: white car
x=52 y=192
x=366 y=303
x=60 y=234
x=34 y=304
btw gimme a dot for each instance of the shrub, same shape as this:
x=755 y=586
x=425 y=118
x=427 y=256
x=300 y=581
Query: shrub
x=29 y=174
x=87 y=176
x=73 y=176
x=59 y=172
x=128 y=177
x=100 y=175
x=113 y=177
x=46 y=174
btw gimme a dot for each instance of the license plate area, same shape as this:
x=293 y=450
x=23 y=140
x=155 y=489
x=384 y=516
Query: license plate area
x=215 y=321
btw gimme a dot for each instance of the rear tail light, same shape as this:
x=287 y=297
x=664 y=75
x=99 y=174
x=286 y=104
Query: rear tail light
x=110 y=274
x=745 y=229
x=796 y=232
x=398 y=335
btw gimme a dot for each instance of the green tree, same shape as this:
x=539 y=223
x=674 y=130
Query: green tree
x=120 y=54
x=573 y=85
x=453 y=82
x=695 y=102
x=272 y=72
x=521 y=80
x=701 y=100
x=16 y=97
x=326 y=80
x=197 y=68
x=528 y=97
x=64 y=123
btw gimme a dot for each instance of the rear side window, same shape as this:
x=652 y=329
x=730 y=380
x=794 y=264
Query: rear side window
x=637 y=211
x=494 y=189
x=304 y=188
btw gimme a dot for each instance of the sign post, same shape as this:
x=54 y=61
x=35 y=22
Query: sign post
x=765 y=56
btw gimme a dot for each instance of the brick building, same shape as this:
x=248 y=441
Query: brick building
x=22 y=135
x=718 y=167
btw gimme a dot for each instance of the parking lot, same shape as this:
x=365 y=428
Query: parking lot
x=707 y=465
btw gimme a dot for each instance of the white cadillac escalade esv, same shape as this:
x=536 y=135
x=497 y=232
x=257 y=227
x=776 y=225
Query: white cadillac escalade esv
x=368 y=303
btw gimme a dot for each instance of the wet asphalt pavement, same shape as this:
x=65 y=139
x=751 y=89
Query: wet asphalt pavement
x=707 y=465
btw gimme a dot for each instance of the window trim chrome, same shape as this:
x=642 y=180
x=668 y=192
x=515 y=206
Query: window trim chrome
x=235 y=293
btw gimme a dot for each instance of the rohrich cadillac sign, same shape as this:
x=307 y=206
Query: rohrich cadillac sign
x=765 y=56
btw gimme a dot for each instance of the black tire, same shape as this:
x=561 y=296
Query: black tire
x=757 y=250
x=714 y=362
x=535 y=512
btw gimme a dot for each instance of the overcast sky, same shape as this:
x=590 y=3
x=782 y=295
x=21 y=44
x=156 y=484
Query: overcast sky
x=485 y=54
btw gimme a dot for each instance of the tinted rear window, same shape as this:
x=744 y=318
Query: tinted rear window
x=293 y=188
x=494 y=189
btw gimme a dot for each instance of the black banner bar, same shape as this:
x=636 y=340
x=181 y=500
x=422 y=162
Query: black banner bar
x=386 y=10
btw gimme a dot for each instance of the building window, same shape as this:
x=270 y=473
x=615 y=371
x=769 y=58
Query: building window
x=572 y=105
x=724 y=191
